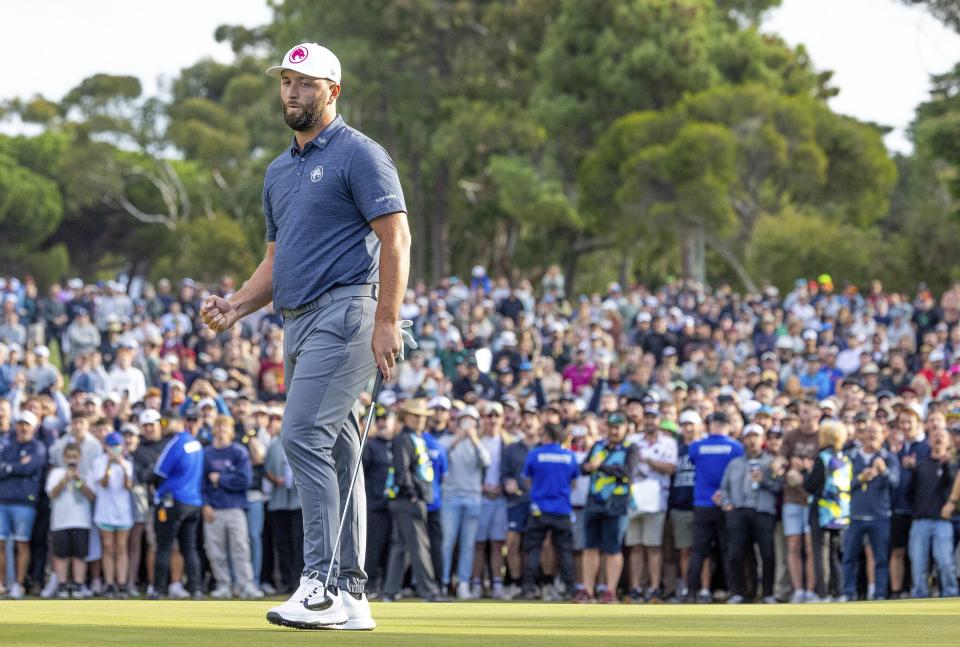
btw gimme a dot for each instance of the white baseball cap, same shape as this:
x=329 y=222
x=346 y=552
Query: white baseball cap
x=690 y=416
x=27 y=417
x=309 y=59
x=440 y=402
x=752 y=428
x=149 y=417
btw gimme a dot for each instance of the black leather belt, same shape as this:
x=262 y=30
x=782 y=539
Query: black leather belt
x=342 y=292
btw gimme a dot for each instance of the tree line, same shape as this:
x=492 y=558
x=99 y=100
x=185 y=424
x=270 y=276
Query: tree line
x=621 y=139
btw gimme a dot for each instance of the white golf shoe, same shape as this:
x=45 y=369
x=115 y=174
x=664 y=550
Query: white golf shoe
x=358 y=613
x=310 y=607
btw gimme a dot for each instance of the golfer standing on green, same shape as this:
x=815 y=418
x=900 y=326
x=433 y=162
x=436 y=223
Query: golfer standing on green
x=336 y=266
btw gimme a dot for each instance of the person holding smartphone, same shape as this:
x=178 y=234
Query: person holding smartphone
x=113 y=514
x=70 y=520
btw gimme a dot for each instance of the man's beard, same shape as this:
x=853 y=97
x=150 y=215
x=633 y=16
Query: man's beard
x=306 y=118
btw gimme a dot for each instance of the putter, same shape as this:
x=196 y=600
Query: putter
x=406 y=340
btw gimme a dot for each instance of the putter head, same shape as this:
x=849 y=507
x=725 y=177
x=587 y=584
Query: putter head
x=322 y=604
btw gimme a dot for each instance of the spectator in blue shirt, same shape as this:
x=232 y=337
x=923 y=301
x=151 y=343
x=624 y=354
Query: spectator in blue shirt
x=178 y=500
x=22 y=461
x=227 y=474
x=876 y=474
x=438 y=457
x=551 y=470
x=814 y=382
x=710 y=457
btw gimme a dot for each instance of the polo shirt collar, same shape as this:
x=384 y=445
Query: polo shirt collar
x=323 y=138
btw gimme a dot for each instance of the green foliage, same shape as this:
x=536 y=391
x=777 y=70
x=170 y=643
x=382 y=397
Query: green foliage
x=30 y=205
x=207 y=249
x=633 y=136
x=794 y=244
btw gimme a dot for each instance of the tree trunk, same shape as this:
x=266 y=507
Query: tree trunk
x=693 y=253
x=730 y=257
x=439 y=226
x=626 y=269
x=421 y=242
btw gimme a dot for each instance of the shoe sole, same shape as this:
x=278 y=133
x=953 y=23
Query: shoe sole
x=353 y=625
x=277 y=619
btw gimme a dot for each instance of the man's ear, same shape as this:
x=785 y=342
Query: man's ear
x=334 y=91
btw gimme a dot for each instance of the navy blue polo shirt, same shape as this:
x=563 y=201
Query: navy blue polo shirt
x=318 y=205
x=551 y=469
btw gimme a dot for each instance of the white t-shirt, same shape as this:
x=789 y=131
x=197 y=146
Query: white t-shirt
x=494 y=445
x=663 y=448
x=129 y=379
x=69 y=510
x=112 y=506
x=581 y=485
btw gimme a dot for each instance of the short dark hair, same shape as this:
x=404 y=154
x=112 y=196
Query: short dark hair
x=557 y=433
x=71 y=447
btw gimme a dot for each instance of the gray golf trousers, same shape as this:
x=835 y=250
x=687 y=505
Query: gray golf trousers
x=327 y=362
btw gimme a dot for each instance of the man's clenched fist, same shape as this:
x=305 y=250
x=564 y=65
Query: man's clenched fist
x=218 y=313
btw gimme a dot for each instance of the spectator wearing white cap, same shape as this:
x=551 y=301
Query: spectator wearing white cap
x=144 y=460
x=492 y=528
x=22 y=462
x=467 y=458
x=748 y=495
x=125 y=378
x=657 y=462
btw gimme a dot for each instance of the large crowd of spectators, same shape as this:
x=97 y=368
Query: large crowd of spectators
x=644 y=445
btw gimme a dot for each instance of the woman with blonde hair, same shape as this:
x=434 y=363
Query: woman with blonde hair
x=829 y=481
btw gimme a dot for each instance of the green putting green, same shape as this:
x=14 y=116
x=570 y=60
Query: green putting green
x=233 y=624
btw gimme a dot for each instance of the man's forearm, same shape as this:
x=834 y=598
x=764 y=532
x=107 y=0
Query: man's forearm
x=257 y=291
x=394 y=270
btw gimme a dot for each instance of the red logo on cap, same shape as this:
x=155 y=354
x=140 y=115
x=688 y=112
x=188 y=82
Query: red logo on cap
x=298 y=55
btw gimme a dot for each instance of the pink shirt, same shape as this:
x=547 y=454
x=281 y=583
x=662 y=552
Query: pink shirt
x=579 y=376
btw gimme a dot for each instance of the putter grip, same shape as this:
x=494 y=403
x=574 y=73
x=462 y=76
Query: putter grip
x=377 y=386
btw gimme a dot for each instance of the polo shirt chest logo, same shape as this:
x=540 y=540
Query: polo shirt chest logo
x=316 y=174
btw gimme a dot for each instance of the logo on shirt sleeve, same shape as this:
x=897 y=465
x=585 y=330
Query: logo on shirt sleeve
x=316 y=174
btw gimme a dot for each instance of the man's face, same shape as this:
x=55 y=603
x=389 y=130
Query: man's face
x=223 y=433
x=752 y=442
x=493 y=419
x=80 y=427
x=908 y=424
x=616 y=433
x=651 y=422
x=871 y=437
x=773 y=443
x=24 y=432
x=150 y=431
x=417 y=423
x=304 y=99
x=5 y=414
x=441 y=417
x=689 y=432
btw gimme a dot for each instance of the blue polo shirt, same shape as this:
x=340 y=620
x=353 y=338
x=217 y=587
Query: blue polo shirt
x=438 y=456
x=551 y=469
x=710 y=457
x=181 y=466
x=318 y=205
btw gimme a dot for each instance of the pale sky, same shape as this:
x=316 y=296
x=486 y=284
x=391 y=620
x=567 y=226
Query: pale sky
x=882 y=52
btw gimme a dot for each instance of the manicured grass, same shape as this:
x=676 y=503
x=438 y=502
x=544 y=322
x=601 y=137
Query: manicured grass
x=233 y=624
